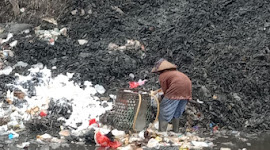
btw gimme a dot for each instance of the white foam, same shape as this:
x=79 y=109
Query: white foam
x=85 y=104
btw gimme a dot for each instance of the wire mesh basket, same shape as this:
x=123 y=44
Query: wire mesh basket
x=134 y=110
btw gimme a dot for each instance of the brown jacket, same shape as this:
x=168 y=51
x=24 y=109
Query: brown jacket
x=175 y=85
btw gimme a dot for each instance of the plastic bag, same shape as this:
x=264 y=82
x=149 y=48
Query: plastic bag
x=104 y=141
x=93 y=122
x=133 y=85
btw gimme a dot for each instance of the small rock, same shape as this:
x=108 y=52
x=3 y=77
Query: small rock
x=82 y=41
x=248 y=144
x=74 y=12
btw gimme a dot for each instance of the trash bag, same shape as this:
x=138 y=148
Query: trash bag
x=104 y=141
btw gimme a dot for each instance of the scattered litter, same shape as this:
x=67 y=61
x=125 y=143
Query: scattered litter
x=93 y=122
x=45 y=137
x=22 y=10
x=7 y=53
x=201 y=102
x=118 y=134
x=51 y=41
x=82 y=41
x=26 y=31
x=42 y=114
x=20 y=64
x=50 y=20
x=63 y=31
x=222 y=148
x=199 y=144
x=82 y=12
x=10 y=136
x=117 y=9
x=23 y=145
x=13 y=44
x=6 y=71
x=90 y=11
x=136 y=84
x=9 y=36
x=104 y=141
x=131 y=75
x=64 y=133
x=100 y=89
x=48 y=35
x=74 y=12
x=152 y=143
x=130 y=45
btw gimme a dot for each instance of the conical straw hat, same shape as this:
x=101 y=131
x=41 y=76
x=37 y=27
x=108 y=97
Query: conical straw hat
x=163 y=65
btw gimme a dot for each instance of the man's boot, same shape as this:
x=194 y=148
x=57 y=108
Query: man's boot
x=175 y=123
x=162 y=126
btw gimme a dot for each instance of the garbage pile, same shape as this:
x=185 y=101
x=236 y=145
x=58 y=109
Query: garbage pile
x=39 y=102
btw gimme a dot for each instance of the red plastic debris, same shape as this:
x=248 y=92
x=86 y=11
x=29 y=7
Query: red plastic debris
x=93 y=121
x=42 y=114
x=215 y=128
x=104 y=141
x=136 y=84
x=133 y=85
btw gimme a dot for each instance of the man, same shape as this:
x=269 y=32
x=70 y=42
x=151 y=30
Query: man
x=176 y=87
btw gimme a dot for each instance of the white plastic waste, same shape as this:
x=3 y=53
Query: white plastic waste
x=222 y=148
x=6 y=71
x=141 y=134
x=199 y=144
x=13 y=44
x=100 y=89
x=153 y=143
x=118 y=134
x=23 y=145
x=20 y=64
x=9 y=36
x=82 y=41
x=3 y=129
